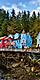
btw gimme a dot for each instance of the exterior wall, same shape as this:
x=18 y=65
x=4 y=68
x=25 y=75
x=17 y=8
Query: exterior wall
x=38 y=42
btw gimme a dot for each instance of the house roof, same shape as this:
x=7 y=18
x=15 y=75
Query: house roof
x=16 y=36
x=23 y=31
x=10 y=36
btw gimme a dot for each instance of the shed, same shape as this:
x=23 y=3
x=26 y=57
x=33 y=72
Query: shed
x=38 y=39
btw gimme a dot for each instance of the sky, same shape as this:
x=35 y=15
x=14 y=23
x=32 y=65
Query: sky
x=20 y=5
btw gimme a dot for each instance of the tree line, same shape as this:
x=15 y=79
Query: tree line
x=10 y=24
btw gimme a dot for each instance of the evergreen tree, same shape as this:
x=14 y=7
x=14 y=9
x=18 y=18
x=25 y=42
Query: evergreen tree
x=19 y=15
x=38 y=15
x=34 y=16
x=24 y=20
x=7 y=15
x=28 y=14
x=13 y=13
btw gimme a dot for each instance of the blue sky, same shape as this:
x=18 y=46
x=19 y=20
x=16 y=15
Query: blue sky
x=19 y=5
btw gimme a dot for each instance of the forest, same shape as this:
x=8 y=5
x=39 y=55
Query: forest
x=10 y=24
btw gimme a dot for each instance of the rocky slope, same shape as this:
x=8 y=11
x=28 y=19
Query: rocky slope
x=19 y=67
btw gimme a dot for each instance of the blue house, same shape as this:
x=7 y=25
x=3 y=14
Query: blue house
x=28 y=41
x=24 y=41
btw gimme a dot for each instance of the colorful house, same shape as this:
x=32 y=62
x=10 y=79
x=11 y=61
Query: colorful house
x=23 y=39
x=28 y=40
x=16 y=40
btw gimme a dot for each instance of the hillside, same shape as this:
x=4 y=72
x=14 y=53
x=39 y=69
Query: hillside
x=10 y=24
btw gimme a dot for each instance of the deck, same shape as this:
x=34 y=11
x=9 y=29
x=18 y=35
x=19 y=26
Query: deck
x=20 y=50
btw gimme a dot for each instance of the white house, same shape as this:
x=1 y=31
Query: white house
x=38 y=39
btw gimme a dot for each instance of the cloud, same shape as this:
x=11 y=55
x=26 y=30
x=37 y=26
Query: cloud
x=5 y=8
x=14 y=6
x=35 y=2
x=36 y=11
x=38 y=8
x=17 y=9
x=22 y=5
x=38 y=0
